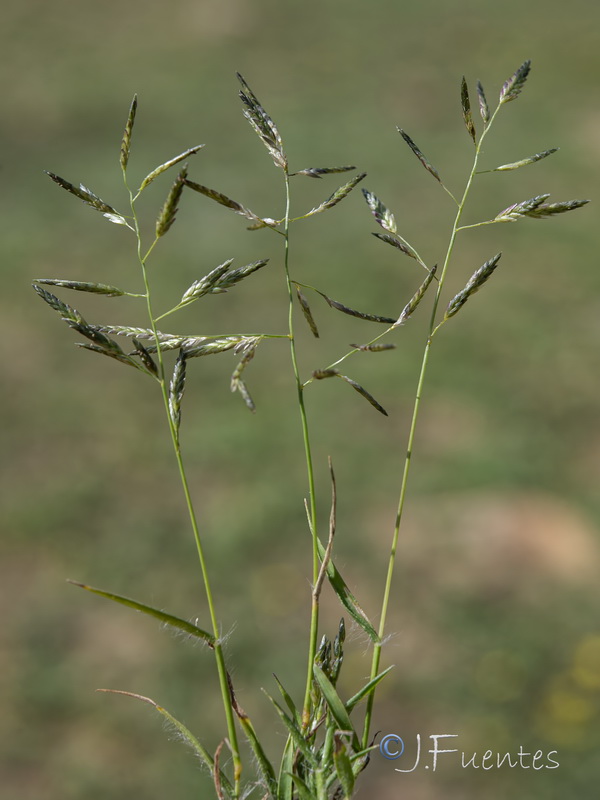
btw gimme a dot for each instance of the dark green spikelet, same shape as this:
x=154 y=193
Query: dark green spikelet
x=416 y=298
x=229 y=279
x=121 y=357
x=145 y=357
x=525 y=161
x=206 y=284
x=400 y=244
x=373 y=348
x=518 y=210
x=546 y=210
x=318 y=172
x=126 y=141
x=91 y=199
x=163 y=167
x=338 y=195
x=382 y=214
x=307 y=312
x=67 y=312
x=83 y=286
x=419 y=155
x=168 y=213
x=484 y=109
x=223 y=200
x=353 y=312
x=322 y=374
x=475 y=282
x=262 y=124
x=513 y=86
x=466 y=109
x=176 y=389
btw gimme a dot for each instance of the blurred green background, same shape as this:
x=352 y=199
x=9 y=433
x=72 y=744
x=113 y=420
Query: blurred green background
x=494 y=623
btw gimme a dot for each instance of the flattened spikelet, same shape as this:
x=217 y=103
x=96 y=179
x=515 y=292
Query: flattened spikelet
x=176 y=389
x=518 y=210
x=122 y=357
x=229 y=279
x=307 y=312
x=168 y=213
x=525 y=161
x=82 y=286
x=416 y=298
x=318 y=172
x=338 y=195
x=475 y=282
x=262 y=124
x=513 y=86
x=126 y=141
x=382 y=214
x=551 y=209
x=484 y=109
x=145 y=357
x=91 y=199
x=403 y=246
x=321 y=374
x=205 y=284
x=419 y=155
x=223 y=200
x=373 y=348
x=353 y=313
x=163 y=167
x=237 y=384
x=466 y=109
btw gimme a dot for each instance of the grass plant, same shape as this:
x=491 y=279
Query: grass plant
x=328 y=743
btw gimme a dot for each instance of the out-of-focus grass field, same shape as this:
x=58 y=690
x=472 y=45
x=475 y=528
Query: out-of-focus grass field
x=495 y=609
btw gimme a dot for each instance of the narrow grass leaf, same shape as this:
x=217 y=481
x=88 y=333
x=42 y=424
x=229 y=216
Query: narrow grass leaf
x=126 y=141
x=525 y=161
x=345 y=596
x=223 y=200
x=373 y=348
x=187 y=736
x=343 y=767
x=307 y=312
x=513 y=86
x=285 y=786
x=466 y=109
x=366 y=690
x=338 y=195
x=264 y=765
x=163 y=167
x=475 y=282
x=318 y=172
x=416 y=298
x=335 y=704
x=382 y=214
x=401 y=245
x=419 y=155
x=166 y=218
x=262 y=124
x=83 y=286
x=353 y=312
x=162 y=616
x=546 y=210
x=296 y=734
x=176 y=390
x=484 y=109
x=304 y=793
x=332 y=527
x=288 y=700
x=145 y=357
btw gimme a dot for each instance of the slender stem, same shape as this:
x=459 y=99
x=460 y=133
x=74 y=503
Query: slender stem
x=218 y=650
x=314 y=616
x=413 y=426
